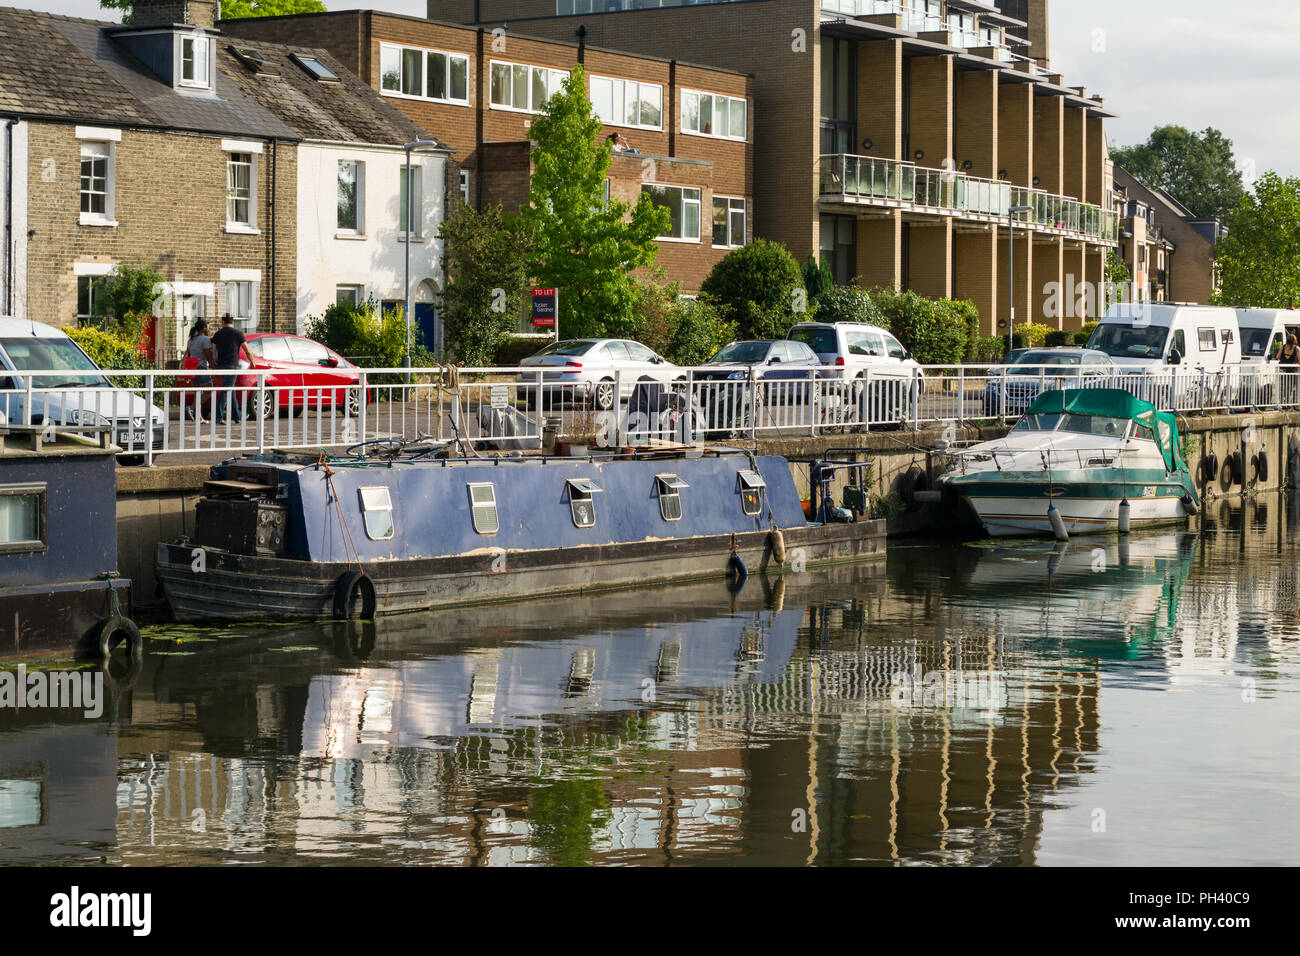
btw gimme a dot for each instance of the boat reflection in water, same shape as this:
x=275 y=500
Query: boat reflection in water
x=937 y=710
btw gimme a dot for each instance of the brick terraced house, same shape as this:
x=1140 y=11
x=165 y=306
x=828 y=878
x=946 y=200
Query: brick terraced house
x=691 y=127
x=256 y=178
x=893 y=137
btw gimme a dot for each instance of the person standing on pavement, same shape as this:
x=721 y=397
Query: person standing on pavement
x=229 y=343
x=200 y=348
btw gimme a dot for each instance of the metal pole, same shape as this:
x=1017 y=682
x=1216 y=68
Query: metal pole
x=406 y=288
x=1011 y=281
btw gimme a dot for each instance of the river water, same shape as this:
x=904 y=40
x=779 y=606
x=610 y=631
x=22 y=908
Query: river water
x=1103 y=703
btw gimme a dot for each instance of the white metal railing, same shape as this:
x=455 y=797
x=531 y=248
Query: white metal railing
x=871 y=180
x=150 y=413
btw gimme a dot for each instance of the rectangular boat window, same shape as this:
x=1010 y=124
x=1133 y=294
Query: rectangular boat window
x=483 y=507
x=751 y=492
x=670 y=499
x=22 y=517
x=377 y=509
x=581 y=503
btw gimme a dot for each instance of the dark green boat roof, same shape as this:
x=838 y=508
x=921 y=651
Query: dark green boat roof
x=1115 y=403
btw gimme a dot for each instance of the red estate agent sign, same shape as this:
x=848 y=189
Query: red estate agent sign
x=546 y=308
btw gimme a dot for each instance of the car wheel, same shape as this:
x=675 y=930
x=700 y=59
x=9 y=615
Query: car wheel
x=352 y=405
x=604 y=395
x=265 y=404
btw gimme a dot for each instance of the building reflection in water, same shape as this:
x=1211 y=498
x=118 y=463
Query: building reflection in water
x=930 y=712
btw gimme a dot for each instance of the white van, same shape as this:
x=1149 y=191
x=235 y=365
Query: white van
x=74 y=393
x=1190 y=355
x=1263 y=331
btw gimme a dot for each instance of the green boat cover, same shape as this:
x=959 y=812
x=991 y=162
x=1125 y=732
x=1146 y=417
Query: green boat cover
x=1116 y=403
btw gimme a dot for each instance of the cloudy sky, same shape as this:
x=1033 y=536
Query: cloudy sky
x=1198 y=63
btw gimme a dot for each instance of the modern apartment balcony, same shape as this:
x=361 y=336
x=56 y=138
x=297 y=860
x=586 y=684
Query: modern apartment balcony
x=884 y=184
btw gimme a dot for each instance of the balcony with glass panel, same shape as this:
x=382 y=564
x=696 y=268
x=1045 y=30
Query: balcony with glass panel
x=867 y=181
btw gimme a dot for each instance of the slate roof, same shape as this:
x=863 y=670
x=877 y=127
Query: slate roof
x=53 y=66
x=346 y=111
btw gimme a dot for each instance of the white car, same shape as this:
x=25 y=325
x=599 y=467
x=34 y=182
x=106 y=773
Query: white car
x=854 y=352
x=73 y=393
x=586 y=368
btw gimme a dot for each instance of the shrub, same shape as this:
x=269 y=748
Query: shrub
x=989 y=349
x=1030 y=335
x=817 y=279
x=366 y=336
x=127 y=291
x=114 y=345
x=757 y=284
x=848 y=304
x=1059 y=337
x=934 y=332
x=684 y=331
x=487 y=281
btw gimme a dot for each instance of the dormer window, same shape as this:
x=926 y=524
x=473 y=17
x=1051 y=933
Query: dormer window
x=194 y=59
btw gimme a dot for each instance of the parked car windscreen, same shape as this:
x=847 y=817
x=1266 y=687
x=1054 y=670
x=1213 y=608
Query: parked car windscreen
x=1030 y=362
x=819 y=340
x=743 y=352
x=568 y=347
x=43 y=355
x=1130 y=341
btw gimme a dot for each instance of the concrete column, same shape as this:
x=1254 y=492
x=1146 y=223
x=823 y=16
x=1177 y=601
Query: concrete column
x=880 y=99
x=1049 y=123
x=1074 y=158
x=930 y=259
x=1075 y=297
x=1094 y=268
x=976 y=114
x=930 y=110
x=880 y=251
x=976 y=276
x=1024 y=299
x=1095 y=150
x=1016 y=131
x=1047 y=270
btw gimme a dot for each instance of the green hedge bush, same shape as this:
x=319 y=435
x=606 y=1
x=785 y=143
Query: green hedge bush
x=934 y=331
x=759 y=286
x=847 y=304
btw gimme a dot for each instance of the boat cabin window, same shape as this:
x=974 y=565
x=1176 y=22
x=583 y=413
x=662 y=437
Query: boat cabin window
x=582 y=504
x=670 y=499
x=1037 y=423
x=483 y=507
x=751 y=492
x=22 y=518
x=1144 y=433
x=1101 y=425
x=377 y=510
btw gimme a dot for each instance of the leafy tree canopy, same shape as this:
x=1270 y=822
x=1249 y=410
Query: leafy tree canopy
x=238 y=9
x=1259 y=258
x=578 y=242
x=1197 y=169
x=762 y=286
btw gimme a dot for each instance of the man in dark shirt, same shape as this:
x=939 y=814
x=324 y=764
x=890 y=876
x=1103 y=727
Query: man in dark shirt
x=229 y=343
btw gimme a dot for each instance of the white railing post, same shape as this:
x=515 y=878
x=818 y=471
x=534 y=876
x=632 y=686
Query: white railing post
x=148 y=421
x=961 y=393
x=753 y=402
x=616 y=409
x=363 y=408
x=261 y=404
x=28 y=398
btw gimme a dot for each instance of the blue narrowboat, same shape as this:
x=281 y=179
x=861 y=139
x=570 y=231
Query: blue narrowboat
x=293 y=538
x=59 y=587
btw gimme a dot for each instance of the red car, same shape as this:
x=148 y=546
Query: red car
x=302 y=374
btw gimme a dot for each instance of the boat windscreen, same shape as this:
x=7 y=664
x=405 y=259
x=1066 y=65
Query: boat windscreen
x=1094 y=425
x=1037 y=423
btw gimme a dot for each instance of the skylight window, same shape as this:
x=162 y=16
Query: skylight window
x=316 y=68
x=253 y=60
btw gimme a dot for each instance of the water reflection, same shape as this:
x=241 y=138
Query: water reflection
x=940 y=709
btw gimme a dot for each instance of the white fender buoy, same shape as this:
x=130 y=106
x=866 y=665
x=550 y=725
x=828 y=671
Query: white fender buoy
x=1058 y=525
x=778 y=545
x=1124 y=519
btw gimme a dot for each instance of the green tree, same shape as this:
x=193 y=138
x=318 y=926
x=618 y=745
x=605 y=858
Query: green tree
x=817 y=278
x=762 y=285
x=1116 y=280
x=1197 y=169
x=580 y=243
x=237 y=9
x=1259 y=258
x=487 y=280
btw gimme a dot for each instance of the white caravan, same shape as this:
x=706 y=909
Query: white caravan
x=1263 y=332
x=1188 y=356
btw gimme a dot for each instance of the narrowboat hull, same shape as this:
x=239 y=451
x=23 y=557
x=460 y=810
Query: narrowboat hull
x=235 y=587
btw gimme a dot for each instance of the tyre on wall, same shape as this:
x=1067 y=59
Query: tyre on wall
x=354 y=597
x=1259 y=465
x=114 y=632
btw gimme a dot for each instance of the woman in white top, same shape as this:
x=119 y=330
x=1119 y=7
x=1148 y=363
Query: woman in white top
x=200 y=347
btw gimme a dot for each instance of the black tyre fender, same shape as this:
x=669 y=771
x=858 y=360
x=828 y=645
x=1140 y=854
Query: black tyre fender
x=113 y=632
x=350 y=586
x=1209 y=468
x=914 y=481
x=1260 y=463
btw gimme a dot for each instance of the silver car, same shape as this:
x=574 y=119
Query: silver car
x=582 y=369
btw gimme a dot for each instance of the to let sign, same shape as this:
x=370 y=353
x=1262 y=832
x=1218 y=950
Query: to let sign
x=545 y=308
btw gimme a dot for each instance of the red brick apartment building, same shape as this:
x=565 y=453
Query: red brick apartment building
x=477 y=89
x=893 y=137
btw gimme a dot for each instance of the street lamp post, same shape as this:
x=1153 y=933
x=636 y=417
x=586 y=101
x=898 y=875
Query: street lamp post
x=410 y=222
x=1011 y=272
